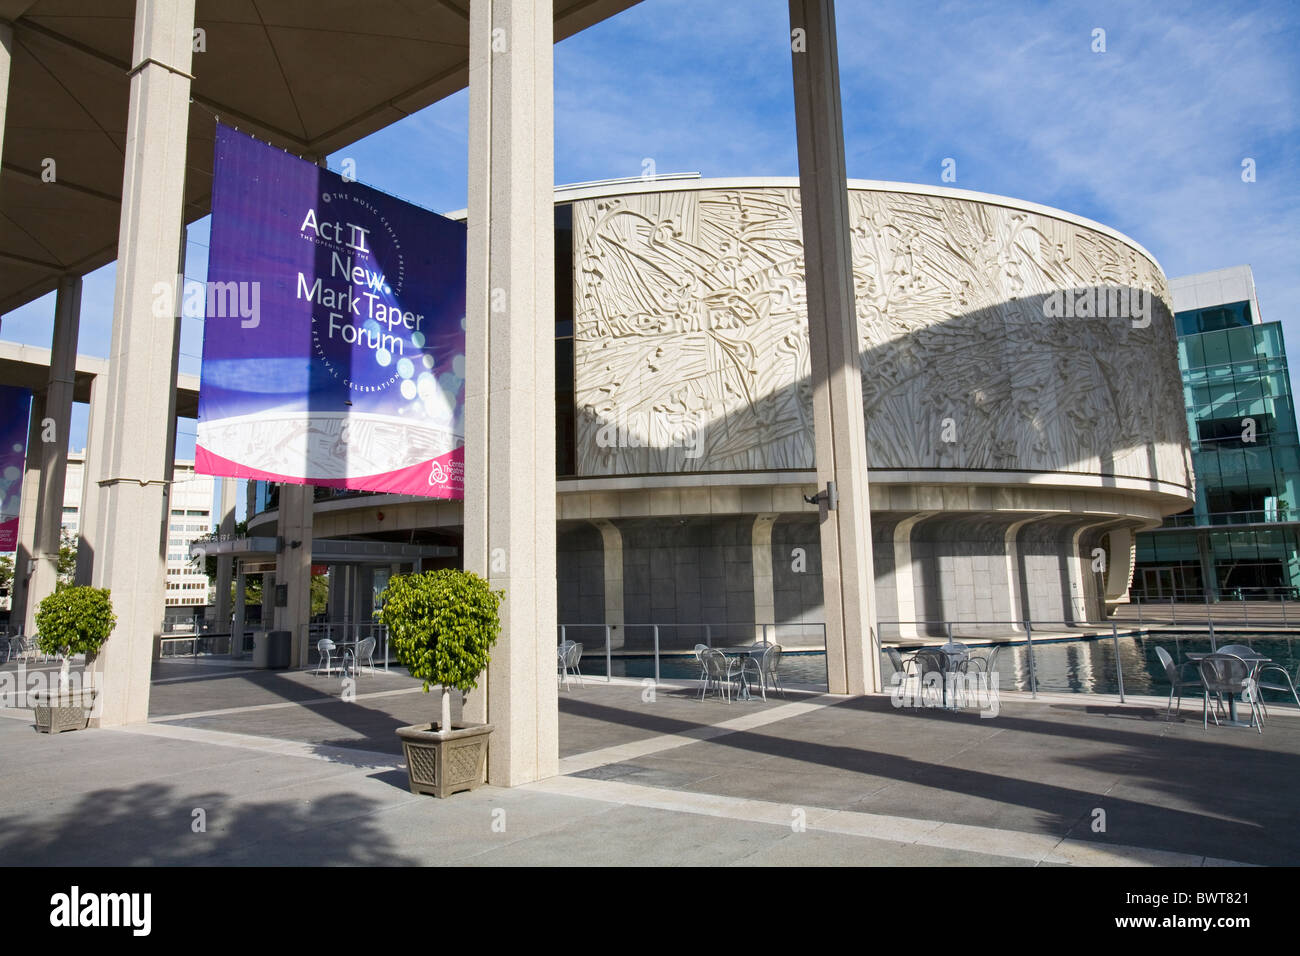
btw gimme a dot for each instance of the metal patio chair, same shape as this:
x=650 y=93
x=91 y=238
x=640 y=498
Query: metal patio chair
x=1288 y=687
x=902 y=665
x=568 y=660
x=364 y=651
x=1177 y=682
x=561 y=652
x=1229 y=674
x=932 y=663
x=769 y=670
x=987 y=661
x=573 y=662
x=324 y=648
x=716 y=673
x=1246 y=653
x=959 y=662
x=700 y=649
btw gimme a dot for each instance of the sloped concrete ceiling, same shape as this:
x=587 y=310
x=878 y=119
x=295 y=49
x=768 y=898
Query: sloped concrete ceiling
x=310 y=76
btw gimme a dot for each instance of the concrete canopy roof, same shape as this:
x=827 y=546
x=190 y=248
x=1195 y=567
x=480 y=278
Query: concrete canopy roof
x=310 y=76
x=26 y=366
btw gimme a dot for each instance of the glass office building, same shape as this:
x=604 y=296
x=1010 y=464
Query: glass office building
x=1241 y=538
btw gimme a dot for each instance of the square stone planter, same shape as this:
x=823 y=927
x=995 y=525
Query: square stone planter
x=56 y=713
x=441 y=764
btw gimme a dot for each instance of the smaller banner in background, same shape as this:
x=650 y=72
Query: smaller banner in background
x=15 y=413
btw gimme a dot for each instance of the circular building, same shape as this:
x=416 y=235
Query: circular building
x=1020 y=386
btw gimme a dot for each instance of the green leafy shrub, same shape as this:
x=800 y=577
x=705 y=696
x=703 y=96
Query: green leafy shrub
x=75 y=620
x=442 y=624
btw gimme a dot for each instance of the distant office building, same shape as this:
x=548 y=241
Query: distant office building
x=1240 y=538
x=191 y=518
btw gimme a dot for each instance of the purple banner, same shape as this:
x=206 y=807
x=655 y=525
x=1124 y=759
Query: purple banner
x=334 y=339
x=15 y=415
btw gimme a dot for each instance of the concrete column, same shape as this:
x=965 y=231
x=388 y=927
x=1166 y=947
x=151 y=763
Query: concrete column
x=29 y=516
x=6 y=57
x=226 y=526
x=1015 y=582
x=293 y=567
x=1079 y=569
x=510 y=377
x=139 y=425
x=1119 y=569
x=904 y=583
x=363 y=595
x=87 y=542
x=1209 y=574
x=241 y=609
x=760 y=541
x=338 y=594
x=839 y=422
x=53 y=453
x=612 y=541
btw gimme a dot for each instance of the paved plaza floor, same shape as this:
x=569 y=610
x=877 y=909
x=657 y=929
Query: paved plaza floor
x=279 y=769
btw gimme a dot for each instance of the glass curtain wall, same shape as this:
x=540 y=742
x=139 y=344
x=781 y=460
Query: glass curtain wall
x=1240 y=537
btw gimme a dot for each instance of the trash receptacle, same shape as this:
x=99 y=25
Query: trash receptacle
x=277 y=649
x=260 y=646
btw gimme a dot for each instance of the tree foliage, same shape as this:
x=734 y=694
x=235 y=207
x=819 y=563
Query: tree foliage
x=75 y=620
x=67 y=568
x=442 y=624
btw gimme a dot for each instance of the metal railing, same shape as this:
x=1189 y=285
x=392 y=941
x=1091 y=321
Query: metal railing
x=676 y=643
x=1043 y=656
x=1197 y=603
x=194 y=645
x=1122 y=651
x=348 y=632
x=1252 y=516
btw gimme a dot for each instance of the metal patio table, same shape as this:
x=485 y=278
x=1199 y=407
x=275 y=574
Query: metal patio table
x=1253 y=658
x=753 y=651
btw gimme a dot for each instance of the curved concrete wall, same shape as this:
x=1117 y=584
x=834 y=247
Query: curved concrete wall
x=691 y=348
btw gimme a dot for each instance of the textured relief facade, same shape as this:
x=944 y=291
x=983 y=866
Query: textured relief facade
x=981 y=349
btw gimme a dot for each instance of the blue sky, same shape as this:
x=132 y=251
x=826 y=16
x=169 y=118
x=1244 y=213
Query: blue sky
x=1147 y=137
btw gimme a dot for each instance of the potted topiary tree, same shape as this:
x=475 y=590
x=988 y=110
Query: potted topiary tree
x=442 y=624
x=72 y=620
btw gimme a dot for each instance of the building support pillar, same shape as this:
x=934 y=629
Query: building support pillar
x=839 y=420
x=29 y=516
x=226 y=528
x=362 y=590
x=293 y=568
x=510 y=377
x=1119 y=570
x=904 y=583
x=1209 y=575
x=612 y=542
x=141 y=381
x=1082 y=579
x=1016 y=586
x=760 y=542
x=6 y=58
x=87 y=541
x=241 y=611
x=52 y=451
